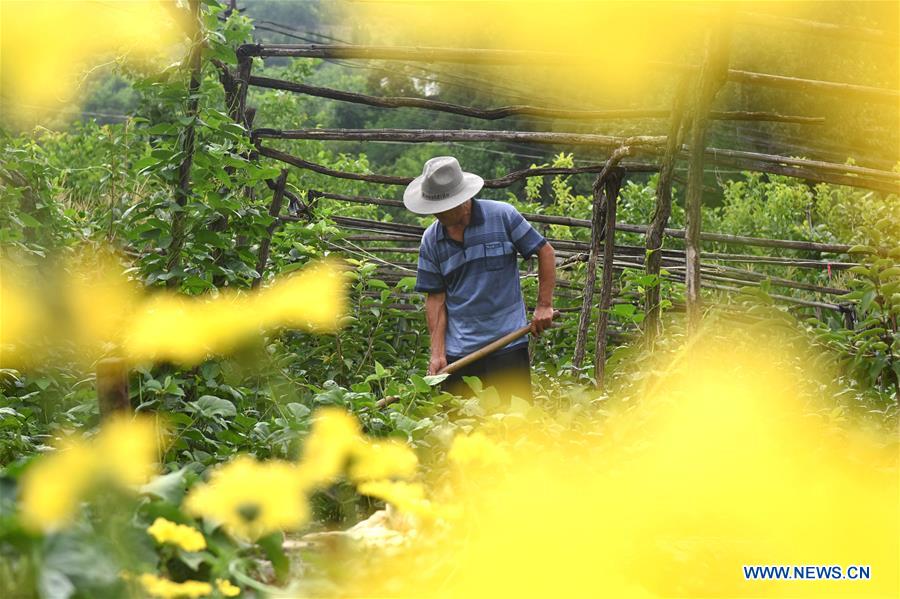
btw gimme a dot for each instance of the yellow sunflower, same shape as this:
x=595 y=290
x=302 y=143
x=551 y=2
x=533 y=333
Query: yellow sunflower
x=252 y=499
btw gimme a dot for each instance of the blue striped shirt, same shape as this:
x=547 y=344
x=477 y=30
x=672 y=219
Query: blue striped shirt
x=479 y=275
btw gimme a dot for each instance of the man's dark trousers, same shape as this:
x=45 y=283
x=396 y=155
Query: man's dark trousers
x=508 y=371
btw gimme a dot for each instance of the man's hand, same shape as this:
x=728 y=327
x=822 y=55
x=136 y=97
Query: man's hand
x=543 y=316
x=436 y=364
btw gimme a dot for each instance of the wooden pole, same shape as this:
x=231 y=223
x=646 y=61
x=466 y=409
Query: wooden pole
x=274 y=211
x=612 y=185
x=598 y=216
x=421 y=54
x=112 y=387
x=661 y=212
x=885 y=182
x=789 y=244
x=486 y=350
x=463 y=135
x=493 y=114
x=712 y=76
x=183 y=190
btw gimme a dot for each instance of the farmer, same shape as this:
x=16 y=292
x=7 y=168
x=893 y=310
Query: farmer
x=468 y=268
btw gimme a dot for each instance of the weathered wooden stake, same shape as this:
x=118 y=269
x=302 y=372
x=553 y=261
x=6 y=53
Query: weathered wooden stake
x=661 y=213
x=274 y=211
x=183 y=191
x=713 y=73
x=612 y=185
x=112 y=387
x=598 y=214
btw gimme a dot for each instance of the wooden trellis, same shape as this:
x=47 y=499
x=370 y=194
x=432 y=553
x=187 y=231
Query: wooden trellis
x=648 y=153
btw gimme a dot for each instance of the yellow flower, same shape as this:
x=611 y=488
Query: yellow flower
x=406 y=497
x=186 y=537
x=164 y=588
x=188 y=330
x=251 y=499
x=52 y=486
x=124 y=453
x=476 y=450
x=127 y=449
x=226 y=588
x=383 y=459
x=334 y=437
x=314 y=298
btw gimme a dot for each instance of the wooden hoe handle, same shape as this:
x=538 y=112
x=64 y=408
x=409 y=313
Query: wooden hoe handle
x=488 y=349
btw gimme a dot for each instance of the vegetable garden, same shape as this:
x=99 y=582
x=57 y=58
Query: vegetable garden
x=213 y=362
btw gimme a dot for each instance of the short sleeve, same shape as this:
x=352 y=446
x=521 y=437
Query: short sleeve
x=526 y=239
x=428 y=273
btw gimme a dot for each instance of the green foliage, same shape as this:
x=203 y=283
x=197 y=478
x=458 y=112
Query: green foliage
x=114 y=183
x=869 y=349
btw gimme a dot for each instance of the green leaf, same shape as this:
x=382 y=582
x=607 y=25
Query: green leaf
x=887 y=273
x=298 y=410
x=420 y=384
x=210 y=406
x=29 y=221
x=474 y=383
x=194 y=560
x=435 y=379
x=862 y=249
x=272 y=545
x=168 y=487
x=406 y=283
x=623 y=310
x=380 y=371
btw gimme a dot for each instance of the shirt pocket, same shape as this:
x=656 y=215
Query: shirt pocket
x=497 y=255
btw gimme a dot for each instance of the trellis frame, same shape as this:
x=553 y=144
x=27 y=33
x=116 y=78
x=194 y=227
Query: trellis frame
x=664 y=147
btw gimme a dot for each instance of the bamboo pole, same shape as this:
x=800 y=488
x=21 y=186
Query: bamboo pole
x=612 y=185
x=492 y=114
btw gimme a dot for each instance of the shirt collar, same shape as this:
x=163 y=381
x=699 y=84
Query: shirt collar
x=475 y=218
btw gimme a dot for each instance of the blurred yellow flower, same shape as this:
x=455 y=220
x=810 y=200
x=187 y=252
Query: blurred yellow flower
x=251 y=499
x=315 y=297
x=123 y=453
x=476 y=450
x=180 y=535
x=335 y=436
x=52 y=486
x=20 y=315
x=44 y=77
x=226 y=589
x=127 y=448
x=100 y=296
x=406 y=497
x=383 y=459
x=163 y=588
x=188 y=330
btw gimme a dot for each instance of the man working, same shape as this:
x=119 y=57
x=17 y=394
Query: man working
x=468 y=268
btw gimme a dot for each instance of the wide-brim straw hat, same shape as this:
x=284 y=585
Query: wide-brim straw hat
x=441 y=186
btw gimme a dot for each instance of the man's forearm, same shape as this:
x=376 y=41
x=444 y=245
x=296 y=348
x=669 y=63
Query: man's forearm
x=436 y=315
x=546 y=275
